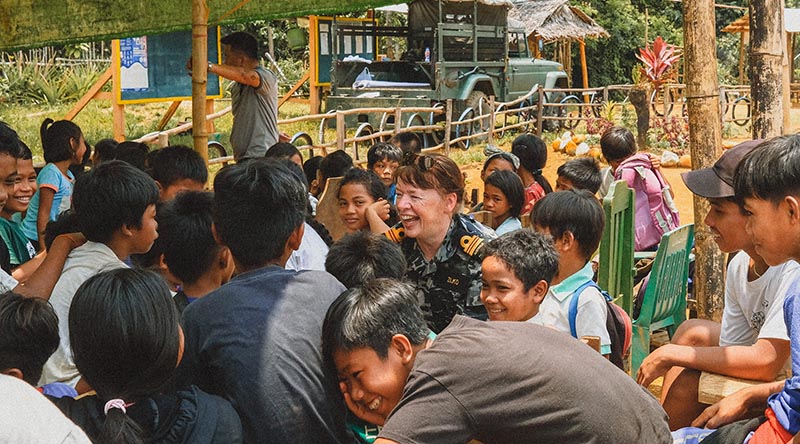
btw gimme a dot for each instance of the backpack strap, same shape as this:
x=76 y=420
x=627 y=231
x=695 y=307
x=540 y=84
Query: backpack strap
x=573 y=304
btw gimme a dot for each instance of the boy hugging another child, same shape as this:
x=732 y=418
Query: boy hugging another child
x=495 y=382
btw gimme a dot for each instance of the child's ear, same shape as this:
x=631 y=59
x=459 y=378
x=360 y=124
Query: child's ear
x=565 y=242
x=402 y=347
x=214 y=233
x=793 y=206
x=14 y=372
x=296 y=237
x=538 y=291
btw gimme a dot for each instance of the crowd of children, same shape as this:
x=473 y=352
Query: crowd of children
x=168 y=313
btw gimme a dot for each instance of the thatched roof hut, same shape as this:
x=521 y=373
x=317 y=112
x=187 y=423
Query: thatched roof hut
x=552 y=20
x=556 y=21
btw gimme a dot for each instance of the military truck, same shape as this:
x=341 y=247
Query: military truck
x=457 y=49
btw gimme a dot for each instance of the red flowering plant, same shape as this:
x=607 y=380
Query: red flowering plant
x=658 y=61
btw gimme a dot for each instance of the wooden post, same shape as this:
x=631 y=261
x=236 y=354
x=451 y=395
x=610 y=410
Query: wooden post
x=786 y=74
x=199 y=76
x=168 y=115
x=398 y=115
x=492 y=121
x=448 y=126
x=117 y=110
x=742 y=52
x=767 y=48
x=705 y=141
x=341 y=130
x=584 y=70
x=539 y=112
x=314 y=95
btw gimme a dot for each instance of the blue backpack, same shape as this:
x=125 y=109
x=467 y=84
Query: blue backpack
x=618 y=324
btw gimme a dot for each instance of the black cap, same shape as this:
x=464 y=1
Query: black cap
x=717 y=181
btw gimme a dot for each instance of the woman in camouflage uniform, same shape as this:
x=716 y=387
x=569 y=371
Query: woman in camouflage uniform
x=443 y=247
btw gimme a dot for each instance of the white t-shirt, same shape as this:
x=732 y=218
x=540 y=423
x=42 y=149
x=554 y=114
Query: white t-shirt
x=592 y=309
x=311 y=254
x=754 y=310
x=82 y=263
x=26 y=416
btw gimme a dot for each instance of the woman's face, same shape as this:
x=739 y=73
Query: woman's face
x=495 y=201
x=424 y=213
x=353 y=202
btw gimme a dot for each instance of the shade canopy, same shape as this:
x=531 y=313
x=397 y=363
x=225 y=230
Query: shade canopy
x=34 y=23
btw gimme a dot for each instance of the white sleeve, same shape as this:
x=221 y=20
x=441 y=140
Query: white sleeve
x=592 y=316
x=735 y=328
x=7 y=283
x=774 y=325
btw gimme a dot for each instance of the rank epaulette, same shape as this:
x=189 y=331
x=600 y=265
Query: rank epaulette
x=471 y=244
x=396 y=234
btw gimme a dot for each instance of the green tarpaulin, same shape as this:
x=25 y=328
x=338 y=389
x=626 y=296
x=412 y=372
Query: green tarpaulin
x=33 y=23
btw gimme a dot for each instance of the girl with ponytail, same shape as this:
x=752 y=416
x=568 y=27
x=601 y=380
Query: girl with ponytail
x=532 y=154
x=127 y=342
x=63 y=145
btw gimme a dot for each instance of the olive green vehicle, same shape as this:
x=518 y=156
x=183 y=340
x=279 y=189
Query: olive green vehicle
x=463 y=50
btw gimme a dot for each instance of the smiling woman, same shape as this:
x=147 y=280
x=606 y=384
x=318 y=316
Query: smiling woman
x=443 y=247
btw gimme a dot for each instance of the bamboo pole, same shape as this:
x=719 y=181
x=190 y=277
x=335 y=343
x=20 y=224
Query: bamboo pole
x=705 y=141
x=199 y=76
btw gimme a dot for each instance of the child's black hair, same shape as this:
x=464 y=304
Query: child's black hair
x=310 y=168
x=110 y=196
x=371 y=182
x=28 y=334
x=24 y=153
x=575 y=211
x=125 y=338
x=184 y=232
x=528 y=254
x=257 y=206
x=177 y=162
x=369 y=316
x=104 y=150
x=383 y=151
x=9 y=140
x=134 y=153
x=335 y=164
x=509 y=183
x=617 y=143
x=66 y=222
x=771 y=171
x=360 y=257
x=532 y=153
x=283 y=150
x=56 y=139
x=502 y=156
x=407 y=141
x=583 y=173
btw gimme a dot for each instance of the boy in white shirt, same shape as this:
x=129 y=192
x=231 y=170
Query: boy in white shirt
x=575 y=220
x=751 y=342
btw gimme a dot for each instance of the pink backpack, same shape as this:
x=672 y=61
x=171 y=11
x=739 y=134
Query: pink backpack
x=655 y=211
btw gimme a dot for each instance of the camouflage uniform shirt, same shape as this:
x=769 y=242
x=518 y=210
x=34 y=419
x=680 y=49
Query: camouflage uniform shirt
x=450 y=283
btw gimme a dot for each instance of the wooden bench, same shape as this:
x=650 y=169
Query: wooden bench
x=714 y=387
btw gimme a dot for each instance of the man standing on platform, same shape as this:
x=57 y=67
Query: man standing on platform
x=254 y=96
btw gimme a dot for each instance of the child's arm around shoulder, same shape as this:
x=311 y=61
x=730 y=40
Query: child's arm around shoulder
x=41 y=282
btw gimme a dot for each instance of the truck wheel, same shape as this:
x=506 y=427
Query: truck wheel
x=479 y=103
x=552 y=111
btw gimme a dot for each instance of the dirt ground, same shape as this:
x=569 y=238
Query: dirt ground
x=683 y=197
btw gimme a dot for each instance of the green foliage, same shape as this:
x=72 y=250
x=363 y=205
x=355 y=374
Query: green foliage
x=45 y=82
x=611 y=60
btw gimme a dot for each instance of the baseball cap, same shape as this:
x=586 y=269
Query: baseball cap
x=717 y=181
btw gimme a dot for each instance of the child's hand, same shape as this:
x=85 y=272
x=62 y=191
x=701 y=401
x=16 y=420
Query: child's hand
x=654 y=365
x=655 y=161
x=358 y=409
x=381 y=208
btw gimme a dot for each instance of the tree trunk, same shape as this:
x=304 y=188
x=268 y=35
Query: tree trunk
x=199 y=76
x=705 y=142
x=767 y=45
x=640 y=99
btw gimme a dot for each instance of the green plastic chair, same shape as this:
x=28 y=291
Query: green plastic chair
x=616 y=246
x=664 y=303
